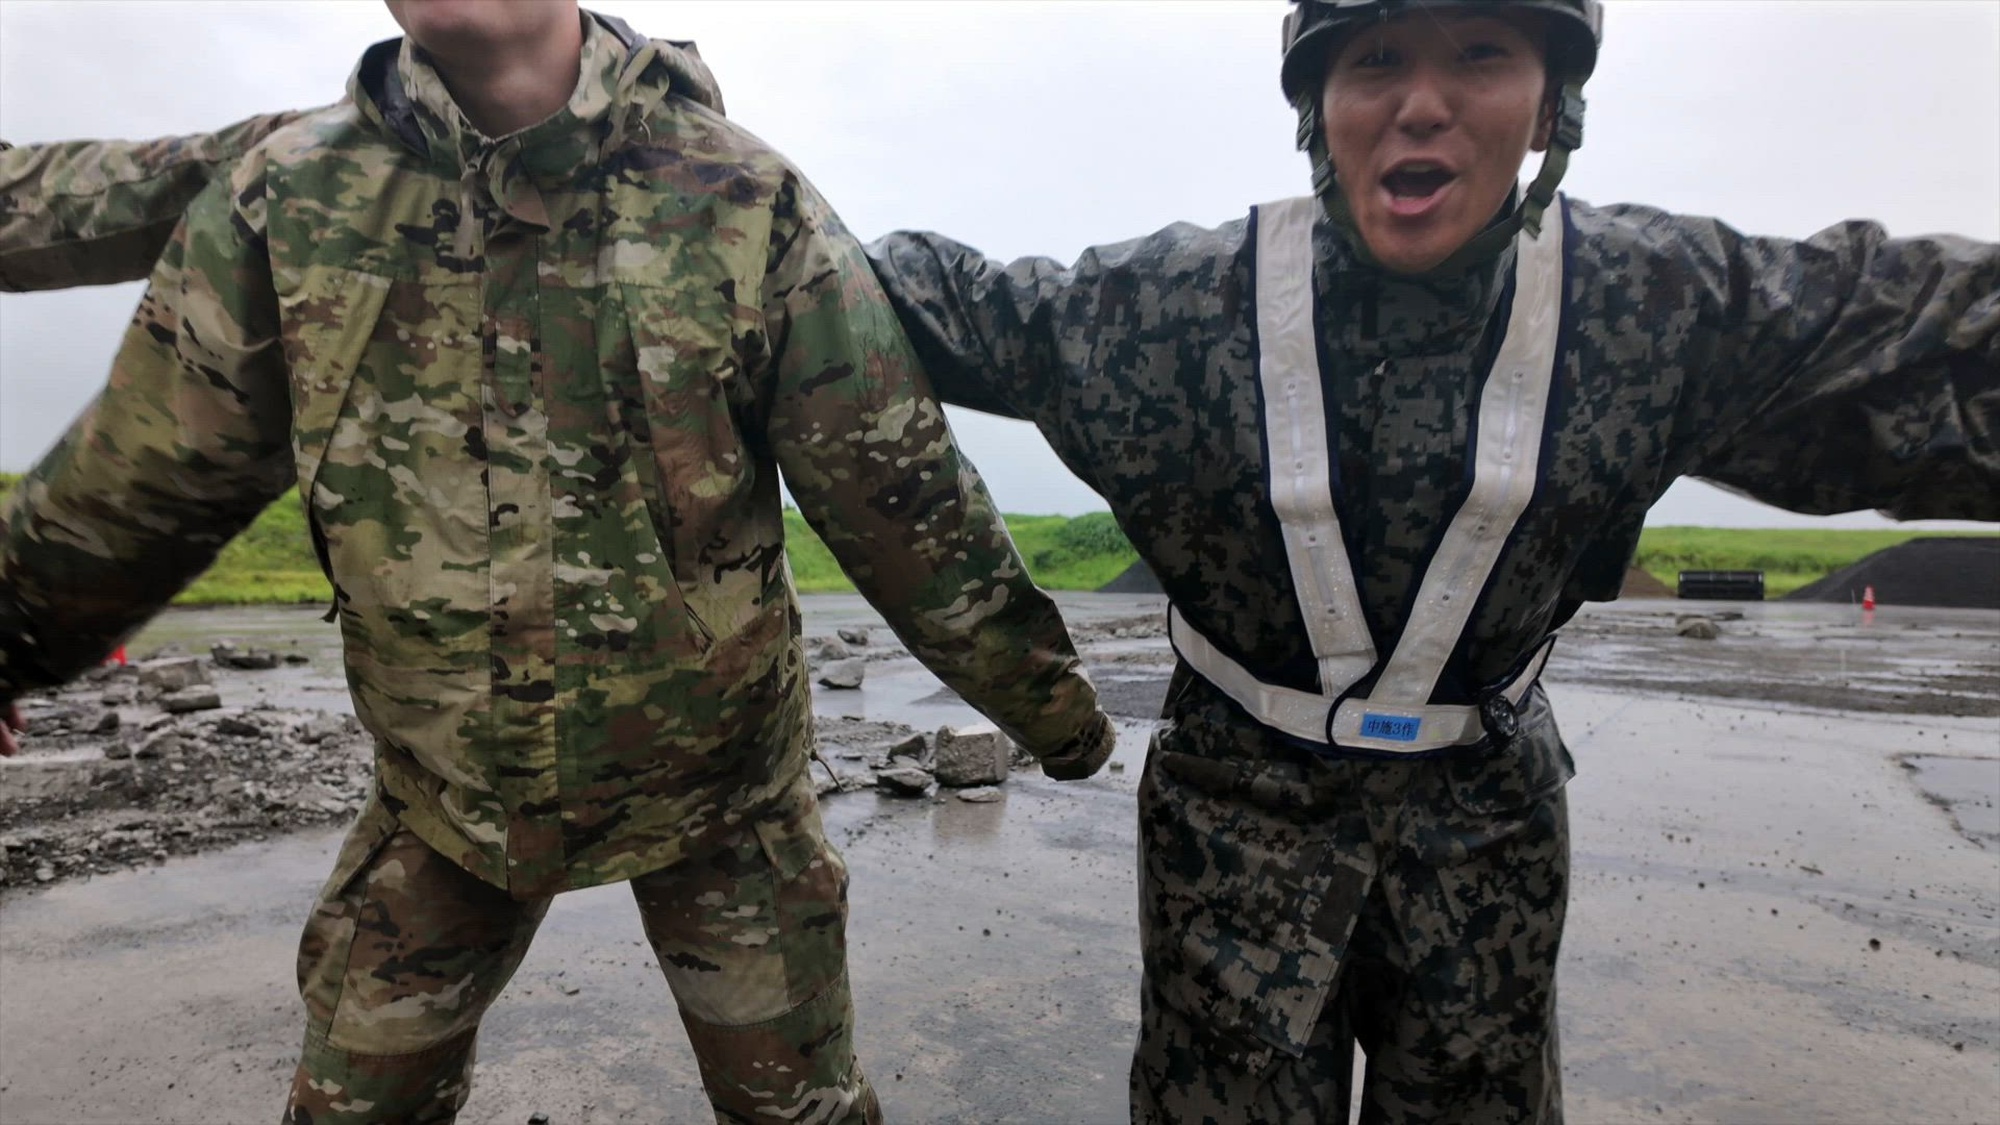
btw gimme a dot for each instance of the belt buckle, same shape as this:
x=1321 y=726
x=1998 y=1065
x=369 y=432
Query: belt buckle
x=1498 y=715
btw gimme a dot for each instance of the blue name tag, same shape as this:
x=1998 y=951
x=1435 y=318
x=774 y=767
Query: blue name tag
x=1390 y=728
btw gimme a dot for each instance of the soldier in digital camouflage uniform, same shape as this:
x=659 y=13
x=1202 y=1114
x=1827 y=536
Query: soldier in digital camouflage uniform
x=1302 y=889
x=536 y=392
x=1309 y=469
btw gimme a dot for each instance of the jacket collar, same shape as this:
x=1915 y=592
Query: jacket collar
x=622 y=78
x=1372 y=315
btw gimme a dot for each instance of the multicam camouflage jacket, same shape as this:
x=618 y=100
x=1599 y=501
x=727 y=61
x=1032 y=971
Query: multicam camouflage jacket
x=536 y=392
x=97 y=212
x=1847 y=371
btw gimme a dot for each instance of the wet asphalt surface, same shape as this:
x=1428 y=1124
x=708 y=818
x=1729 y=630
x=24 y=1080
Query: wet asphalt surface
x=1781 y=912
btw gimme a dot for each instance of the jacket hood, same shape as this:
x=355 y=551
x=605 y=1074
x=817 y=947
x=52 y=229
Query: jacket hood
x=622 y=79
x=623 y=76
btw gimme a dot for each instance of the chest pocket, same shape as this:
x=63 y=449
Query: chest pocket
x=388 y=443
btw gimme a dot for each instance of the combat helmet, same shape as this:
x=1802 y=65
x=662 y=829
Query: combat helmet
x=1575 y=27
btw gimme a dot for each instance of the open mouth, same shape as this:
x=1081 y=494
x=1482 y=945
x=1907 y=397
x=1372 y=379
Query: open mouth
x=1417 y=181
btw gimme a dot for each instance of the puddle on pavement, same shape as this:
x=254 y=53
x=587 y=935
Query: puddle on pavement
x=1967 y=788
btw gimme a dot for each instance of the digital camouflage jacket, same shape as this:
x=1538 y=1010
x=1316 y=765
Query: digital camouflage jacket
x=1850 y=370
x=536 y=392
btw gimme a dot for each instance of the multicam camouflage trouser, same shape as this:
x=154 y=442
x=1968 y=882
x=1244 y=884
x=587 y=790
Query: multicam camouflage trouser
x=1292 y=907
x=405 y=951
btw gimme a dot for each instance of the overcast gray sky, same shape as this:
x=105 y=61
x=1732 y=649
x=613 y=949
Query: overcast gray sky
x=1042 y=127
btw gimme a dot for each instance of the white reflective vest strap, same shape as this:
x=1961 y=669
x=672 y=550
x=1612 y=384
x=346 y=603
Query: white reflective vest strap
x=1396 y=716
x=1507 y=453
x=1305 y=715
x=1301 y=481
x=1301 y=714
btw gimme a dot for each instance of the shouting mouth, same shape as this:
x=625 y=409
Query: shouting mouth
x=1416 y=187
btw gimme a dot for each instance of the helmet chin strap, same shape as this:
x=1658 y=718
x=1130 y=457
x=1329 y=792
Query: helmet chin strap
x=1498 y=235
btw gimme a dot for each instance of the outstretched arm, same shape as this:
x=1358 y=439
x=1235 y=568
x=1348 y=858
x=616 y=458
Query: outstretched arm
x=1082 y=351
x=865 y=448
x=981 y=330
x=179 y=452
x=98 y=212
x=1850 y=370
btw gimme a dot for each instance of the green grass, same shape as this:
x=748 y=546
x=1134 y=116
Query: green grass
x=1789 y=559
x=1062 y=553
x=273 y=562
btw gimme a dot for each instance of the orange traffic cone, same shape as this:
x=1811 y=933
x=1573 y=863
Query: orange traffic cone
x=1868 y=597
x=117 y=657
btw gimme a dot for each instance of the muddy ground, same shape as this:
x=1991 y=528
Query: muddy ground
x=1787 y=880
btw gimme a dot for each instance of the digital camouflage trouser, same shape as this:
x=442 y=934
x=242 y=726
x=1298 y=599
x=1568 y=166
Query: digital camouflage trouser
x=405 y=951
x=1292 y=907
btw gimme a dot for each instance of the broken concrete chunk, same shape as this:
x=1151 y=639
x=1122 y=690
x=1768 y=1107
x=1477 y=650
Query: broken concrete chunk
x=47 y=717
x=845 y=675
x=853 y=636
x=174 y=673
x=322 y=727
x=189 y=700
x=905 y=781
x=984 y=795
x=106 y=723
x=1698 y=628
x=238 y=725
x=246 y=659
x=830 y=649
x=915 y=746
x=974 y=755
x=162 y=745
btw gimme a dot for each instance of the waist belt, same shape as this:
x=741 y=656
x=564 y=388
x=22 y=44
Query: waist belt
x=1355 y=722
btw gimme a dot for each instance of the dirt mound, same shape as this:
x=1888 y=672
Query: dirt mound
x=1639 y=584
x=1137 y=579
x=1960 y=572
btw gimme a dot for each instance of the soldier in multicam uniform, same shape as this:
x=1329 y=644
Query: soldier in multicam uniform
x=536 y=391
x=1377 y=456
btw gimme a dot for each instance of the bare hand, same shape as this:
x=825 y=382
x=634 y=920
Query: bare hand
x=9 y=724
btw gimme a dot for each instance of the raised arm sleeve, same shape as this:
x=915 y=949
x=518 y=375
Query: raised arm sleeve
x=179 y=452
x=864 y=445
x=985 y=332
x=98 y=212
x=1850 y=370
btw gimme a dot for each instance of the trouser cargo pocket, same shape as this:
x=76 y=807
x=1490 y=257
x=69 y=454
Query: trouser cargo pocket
x=1245 y=907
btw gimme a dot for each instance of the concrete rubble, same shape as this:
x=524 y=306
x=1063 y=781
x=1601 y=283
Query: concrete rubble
x=170 y=674
x=904 y=781
x=844 y=675
x=227 y=655
x=1697 y=628
x=134 y=764
x=972 y=756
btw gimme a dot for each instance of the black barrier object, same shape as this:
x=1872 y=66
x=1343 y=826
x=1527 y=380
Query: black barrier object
x=1722 y=585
